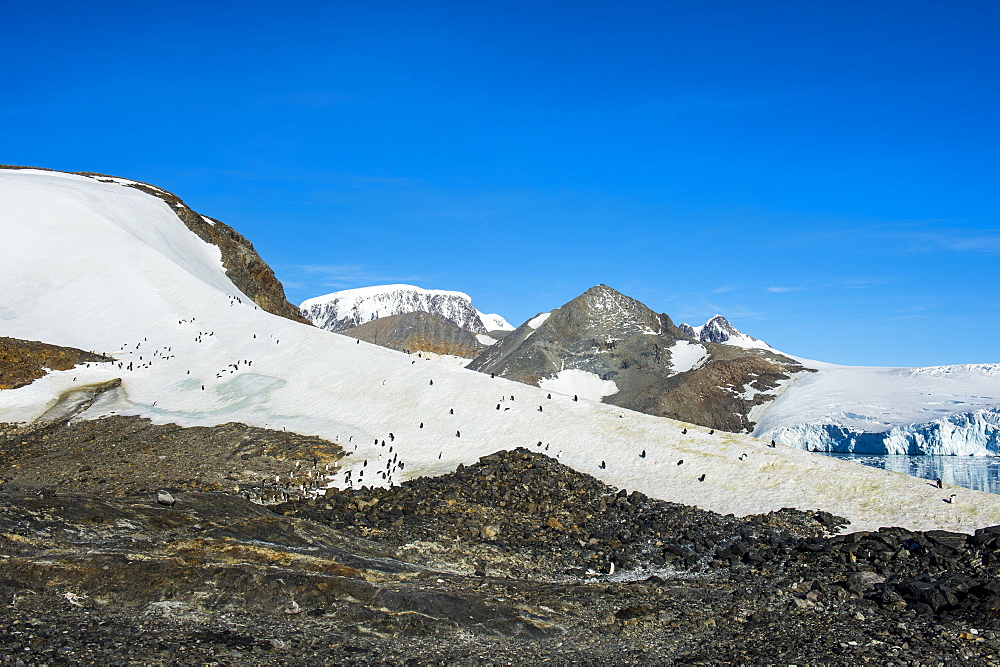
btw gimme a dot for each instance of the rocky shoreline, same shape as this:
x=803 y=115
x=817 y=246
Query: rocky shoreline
x=508 y=560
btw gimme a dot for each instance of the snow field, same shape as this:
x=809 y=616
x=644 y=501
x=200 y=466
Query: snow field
x=106 y=267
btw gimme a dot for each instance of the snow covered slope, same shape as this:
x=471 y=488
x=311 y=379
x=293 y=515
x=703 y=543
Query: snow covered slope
x=935 y=410
x=350 y=308
x=99 y=266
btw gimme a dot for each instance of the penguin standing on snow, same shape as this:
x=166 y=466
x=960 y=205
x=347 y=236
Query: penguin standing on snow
x=642 y=454
x=602 y=465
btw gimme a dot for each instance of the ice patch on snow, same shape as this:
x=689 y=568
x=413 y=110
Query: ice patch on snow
x=575 y=382
x=538 y=320
x=686 y=356
x=494 y=322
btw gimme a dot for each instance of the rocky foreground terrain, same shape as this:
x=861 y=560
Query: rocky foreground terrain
x=509 y=560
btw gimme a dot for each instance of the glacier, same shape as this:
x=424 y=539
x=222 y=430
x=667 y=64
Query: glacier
x=975 y=433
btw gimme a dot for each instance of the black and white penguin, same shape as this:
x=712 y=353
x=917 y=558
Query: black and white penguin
x=642 y=454
x=681 y=462
x=702 y=478
x=940 y=484
x=602 y=465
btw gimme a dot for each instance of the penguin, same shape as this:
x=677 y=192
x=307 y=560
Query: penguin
x=458 y=434
x=681 y=462
x=574 y=397
x=712 y=432
x=391 y=437
x=702 y=478
x=549 y=396
x=772 y=444
x=540 y=408
x=743 y=457
x=940 y=484
x=432 y=382
x=421 y=424
x=451 y=411
x=950 y=499
x=498 y=406
x=602 y=466
x=642 y=454
x=439 y=455
x=684 y=432
x=493 y=375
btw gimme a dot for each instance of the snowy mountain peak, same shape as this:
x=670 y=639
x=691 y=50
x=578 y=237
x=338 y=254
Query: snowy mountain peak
x=350 y=308
x=719 y=330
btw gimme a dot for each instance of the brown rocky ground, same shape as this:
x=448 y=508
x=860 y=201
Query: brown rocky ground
x=24 y=361
x=121 y=455
x=418 y=332
x=498 y=562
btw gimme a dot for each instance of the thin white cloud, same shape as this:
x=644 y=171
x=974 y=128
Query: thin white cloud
x=781 y=289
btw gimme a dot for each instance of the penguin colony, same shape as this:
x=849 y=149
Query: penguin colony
x=140 y=355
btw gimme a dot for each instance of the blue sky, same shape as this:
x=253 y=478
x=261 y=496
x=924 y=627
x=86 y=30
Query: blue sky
x=824 y=174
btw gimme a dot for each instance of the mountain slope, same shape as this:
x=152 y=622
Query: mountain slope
x=350 y=308
x=243 y=266
x=607 y=346
x=104 y=267
x=419 y=332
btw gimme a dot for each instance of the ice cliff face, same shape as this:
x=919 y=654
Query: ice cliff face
x=975 y=433
x=871 y=410
x=350 y=308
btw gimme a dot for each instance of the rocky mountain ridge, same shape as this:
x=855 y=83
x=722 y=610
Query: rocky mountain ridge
x=644 y=361
x=346 y=309
x=719 y=330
